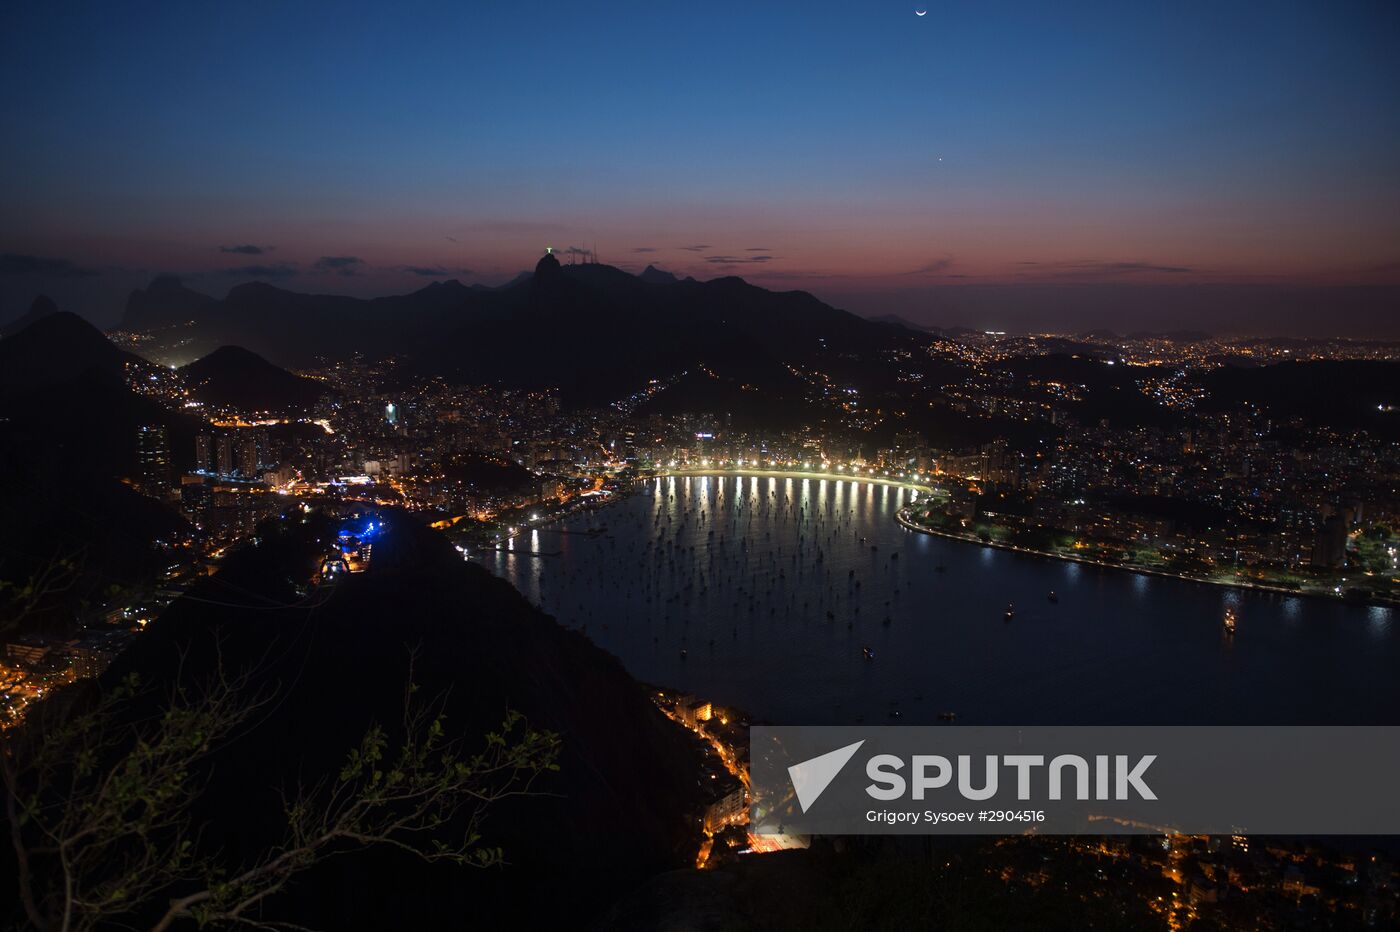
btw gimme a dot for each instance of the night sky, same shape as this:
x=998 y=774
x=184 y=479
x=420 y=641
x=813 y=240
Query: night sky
x=1023 y=165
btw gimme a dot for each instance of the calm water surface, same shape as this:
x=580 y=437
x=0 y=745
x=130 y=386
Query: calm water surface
x=765 y=594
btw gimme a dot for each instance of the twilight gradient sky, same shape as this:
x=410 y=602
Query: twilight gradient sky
x=984 y=164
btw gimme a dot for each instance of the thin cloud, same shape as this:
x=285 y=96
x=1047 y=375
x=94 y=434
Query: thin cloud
x=700 y=248
x=340 y=265
x=431 y=271
x=246 y=249
x=645 y=249
x=1091 y=267
x=17 y=264
x=1144 y=267
x=788 y=275
x=280 y=270
x=738 y=260
x=933 y=267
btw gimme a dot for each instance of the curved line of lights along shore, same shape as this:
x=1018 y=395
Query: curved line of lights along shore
x=918 y=482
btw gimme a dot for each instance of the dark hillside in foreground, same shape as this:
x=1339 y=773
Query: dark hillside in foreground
x=614 y=814
x=929 y=883
x=68 y=443
x=65 y=402
x=52 y=510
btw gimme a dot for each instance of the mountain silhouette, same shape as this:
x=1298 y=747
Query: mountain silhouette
x=595 y=331
x=54 y=348
x=517 y=279
x=547 y=267
x=235 y=377
x=899 y=321
x=165 y=302
x=657 y=276
x=68 y=432
x=63 y=386
x=42 y=306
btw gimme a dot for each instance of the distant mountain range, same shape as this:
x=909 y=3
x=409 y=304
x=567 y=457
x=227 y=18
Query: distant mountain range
x=899 y=321
x=655 y=276
x=593 y=330
x=164 y=303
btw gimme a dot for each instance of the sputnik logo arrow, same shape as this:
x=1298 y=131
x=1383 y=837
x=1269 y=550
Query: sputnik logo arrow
x=811 y=777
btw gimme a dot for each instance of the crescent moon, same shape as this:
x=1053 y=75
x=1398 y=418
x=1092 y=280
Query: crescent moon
x=921 y=12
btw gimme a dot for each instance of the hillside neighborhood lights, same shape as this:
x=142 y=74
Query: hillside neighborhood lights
x=1065 y=772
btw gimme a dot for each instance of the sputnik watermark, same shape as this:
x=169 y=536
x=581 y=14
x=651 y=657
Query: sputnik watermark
x=959 y=780
x=811 y=777
x=933 y=772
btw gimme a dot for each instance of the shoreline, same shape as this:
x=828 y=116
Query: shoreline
x=910 y=525
x=798 y=474
x=907 y=523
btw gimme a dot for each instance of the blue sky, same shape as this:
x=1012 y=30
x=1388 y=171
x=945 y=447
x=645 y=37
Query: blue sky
x=856 y=150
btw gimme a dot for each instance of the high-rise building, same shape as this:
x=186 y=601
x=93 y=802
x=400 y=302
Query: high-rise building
x=224 y=449
x=196 y=498
x=153 y=459
x=248 y=457
x=203 y=452
x=1330 y=543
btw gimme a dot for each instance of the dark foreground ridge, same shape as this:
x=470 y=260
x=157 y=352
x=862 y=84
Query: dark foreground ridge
x=337 y=657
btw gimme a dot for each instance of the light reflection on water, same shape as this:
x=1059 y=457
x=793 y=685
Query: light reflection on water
x=726 y=569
